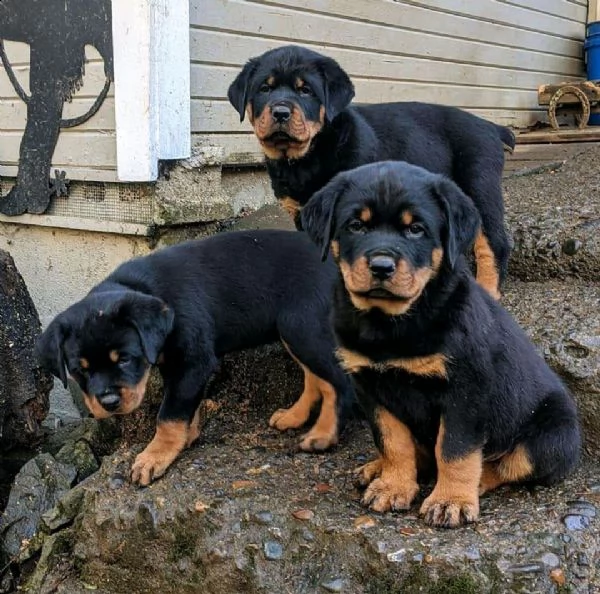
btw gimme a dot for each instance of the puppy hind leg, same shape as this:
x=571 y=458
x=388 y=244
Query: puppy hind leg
x=319 y=364
x=552 y=440
x=295 y=416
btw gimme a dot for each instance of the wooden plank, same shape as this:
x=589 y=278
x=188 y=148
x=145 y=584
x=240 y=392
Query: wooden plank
x=593 y=11
x=93 y=174
x=77 y=149
x=13 y=115
x=498 y=12
x=136 y=90
x=216 y=48
x=560 y=8
x=590 y=134
x=291 y=25
x=239 y=149
x=217 y=115
x=210 y=81
x=172 y=55
x=406 y=16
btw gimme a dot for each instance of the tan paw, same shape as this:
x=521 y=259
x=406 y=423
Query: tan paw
x=447 y=512
x=317 y=440
x=288 y=418
x=150 y=465
x=366 y=473
x=384 y=495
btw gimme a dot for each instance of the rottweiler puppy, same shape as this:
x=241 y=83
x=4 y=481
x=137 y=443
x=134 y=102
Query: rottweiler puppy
x=440 y=368
x=182 y=308
x=298 y=102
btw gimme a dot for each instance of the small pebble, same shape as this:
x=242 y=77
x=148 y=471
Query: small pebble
x=116 y=481
x=273 y=550
x=397 y=556
x=308 y=535
x=184 y=564
x=303 y=514
x=363 y=522
x=418 y=557
x=558 y=576
x=571 y=246
x=583 y=559
x=334 y=585
x=263 y=517
x=472 y=553
x=576 y=522
x=550 y=560
x=526 y=568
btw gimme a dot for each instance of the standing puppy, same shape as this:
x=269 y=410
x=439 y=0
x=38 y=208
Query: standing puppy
x=439 y=366
x=298 y=102
x=185 y=306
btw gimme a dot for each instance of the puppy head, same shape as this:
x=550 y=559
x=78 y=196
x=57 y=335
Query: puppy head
x=289 y=93
x=391 y=227
x=107 y=343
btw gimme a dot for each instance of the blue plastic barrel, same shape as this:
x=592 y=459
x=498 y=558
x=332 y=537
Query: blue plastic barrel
x=591 y=47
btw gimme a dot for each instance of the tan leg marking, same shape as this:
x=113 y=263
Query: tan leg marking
x=290 y=205
x=169 y=440
x=324 y=433
x=368 y=472
x=298 y=413
x=487 y=272
x=510 y=468
x=393 y=483
x=454 y=499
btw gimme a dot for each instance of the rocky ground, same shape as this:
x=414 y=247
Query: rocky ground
x=245 y=511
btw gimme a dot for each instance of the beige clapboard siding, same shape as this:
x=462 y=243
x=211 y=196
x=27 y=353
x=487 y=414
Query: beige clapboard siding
x=488 y=56
x=87 y=152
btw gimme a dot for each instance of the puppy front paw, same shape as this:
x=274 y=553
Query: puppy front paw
x=389 y=493
x=150 y=465
x=445 y=511
x=288 y=418
x=319 y=439
x=366 y=473
x=170 y=439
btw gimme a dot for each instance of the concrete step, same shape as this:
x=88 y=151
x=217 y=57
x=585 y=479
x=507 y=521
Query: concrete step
x=553 y=214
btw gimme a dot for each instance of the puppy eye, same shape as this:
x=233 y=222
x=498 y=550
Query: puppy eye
x=356 y=226
x=265 y=88
x=305 y=90
x=414 y=231
x=124 y=360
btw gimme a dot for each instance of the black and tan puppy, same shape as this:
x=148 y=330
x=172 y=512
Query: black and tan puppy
x=185 y=306
x=298 y=102
x=440 y=368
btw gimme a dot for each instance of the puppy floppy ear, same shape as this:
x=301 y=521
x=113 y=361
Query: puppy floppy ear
x=238 y=90
x=338 y=88
x=49 y=350
x=462 y=219
x=152 y=319
x=318 y=216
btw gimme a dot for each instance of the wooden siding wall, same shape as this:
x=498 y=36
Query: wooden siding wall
x=487 y=56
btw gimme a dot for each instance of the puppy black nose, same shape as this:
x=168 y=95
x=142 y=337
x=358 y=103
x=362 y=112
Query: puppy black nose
x=110 y=401
x=281 y=113
x=382 y=267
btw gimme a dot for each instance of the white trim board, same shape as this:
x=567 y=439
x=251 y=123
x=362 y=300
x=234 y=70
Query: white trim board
x=152 y=85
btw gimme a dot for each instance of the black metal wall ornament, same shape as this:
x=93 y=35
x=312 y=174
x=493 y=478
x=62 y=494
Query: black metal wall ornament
x=57 y=32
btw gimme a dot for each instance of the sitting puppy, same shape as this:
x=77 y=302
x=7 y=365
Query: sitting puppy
x=439 y=366
x=298 y=102
x=182 y=308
